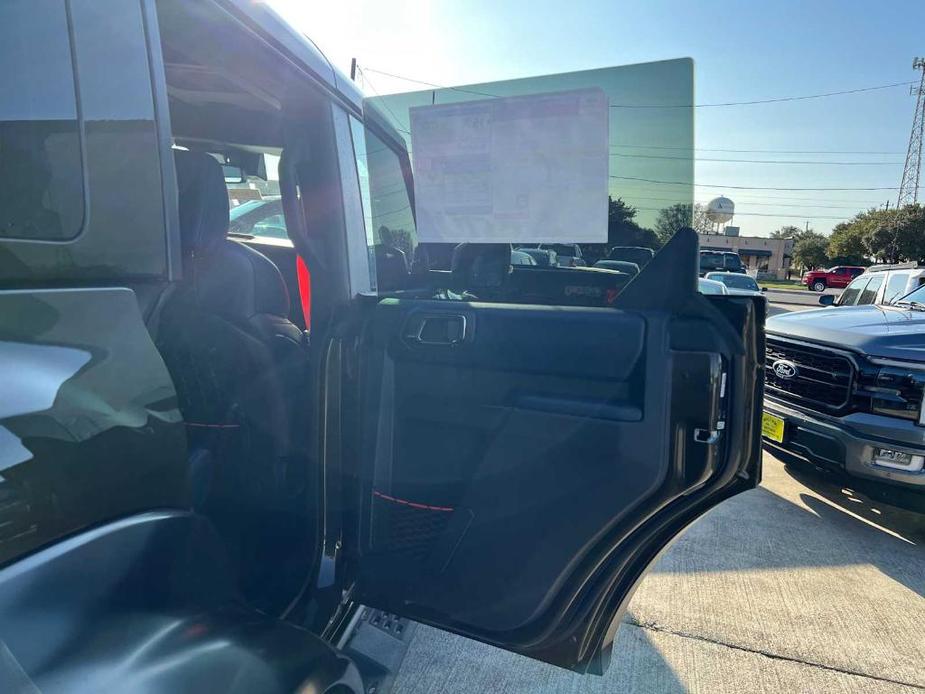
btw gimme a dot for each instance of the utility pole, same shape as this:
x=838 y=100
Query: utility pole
x=909 y=187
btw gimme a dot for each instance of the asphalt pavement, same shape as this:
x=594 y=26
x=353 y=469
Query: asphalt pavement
x=801 y=585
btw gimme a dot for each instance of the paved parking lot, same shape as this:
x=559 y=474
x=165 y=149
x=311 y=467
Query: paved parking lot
x=801 y=585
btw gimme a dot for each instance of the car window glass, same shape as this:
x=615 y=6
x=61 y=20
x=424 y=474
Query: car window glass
x=736 y=281
x=391 y=234
x=869 y=293
x=850 y=295
x=895 y=286
x=256 y=207
x=41 y=181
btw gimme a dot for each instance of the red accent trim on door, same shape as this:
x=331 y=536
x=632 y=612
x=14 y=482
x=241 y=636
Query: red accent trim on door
x=305 y=290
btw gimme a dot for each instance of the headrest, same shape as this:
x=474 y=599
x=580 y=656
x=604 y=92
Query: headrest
x=203 y=201
x=481 y=265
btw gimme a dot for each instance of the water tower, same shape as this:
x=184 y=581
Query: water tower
x=719 y=211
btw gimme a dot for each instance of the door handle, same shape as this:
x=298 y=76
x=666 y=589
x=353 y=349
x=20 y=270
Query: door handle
x=442 y=329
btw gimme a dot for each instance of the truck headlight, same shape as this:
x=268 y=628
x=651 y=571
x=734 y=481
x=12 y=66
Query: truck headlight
x=892 y=388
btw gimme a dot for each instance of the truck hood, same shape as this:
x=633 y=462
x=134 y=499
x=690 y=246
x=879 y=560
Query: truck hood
x=891 y=332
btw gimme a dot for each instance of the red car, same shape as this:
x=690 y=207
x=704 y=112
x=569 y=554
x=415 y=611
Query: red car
x=837 y=277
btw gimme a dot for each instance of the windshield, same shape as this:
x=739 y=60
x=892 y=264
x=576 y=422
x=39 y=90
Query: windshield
x=244 y=208
x=917 y=296
x=735 y=281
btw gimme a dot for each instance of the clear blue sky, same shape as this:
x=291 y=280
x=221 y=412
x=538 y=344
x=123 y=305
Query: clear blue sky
x=742 y=51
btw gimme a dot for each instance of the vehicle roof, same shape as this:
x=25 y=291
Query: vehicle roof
x=299 y=47
x=701 y=280
x=916 y=265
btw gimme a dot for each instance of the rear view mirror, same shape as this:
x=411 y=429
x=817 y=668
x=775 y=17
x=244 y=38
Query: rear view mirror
x=764 y=289
x=234 y=174
x=827 y=299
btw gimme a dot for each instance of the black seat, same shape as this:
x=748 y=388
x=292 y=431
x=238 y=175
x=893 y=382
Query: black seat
x=240 y=369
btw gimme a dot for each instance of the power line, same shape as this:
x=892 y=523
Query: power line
x=763 y=161
x=368 y=81
x=750 y=202
x=756 y=151
x=730 y=187
x=758 y=214
x=803 y=97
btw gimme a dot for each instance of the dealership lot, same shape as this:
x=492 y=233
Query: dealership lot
x=800 y=585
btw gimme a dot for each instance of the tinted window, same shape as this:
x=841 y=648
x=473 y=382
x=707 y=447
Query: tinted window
x=869 y=293
x=650 y=110
x=711 y=261
x=41 y=184
x=895 y=286
x=733 y=262
x=736 y=281
x=850 y=295
x=563 y=249
x=391 y=233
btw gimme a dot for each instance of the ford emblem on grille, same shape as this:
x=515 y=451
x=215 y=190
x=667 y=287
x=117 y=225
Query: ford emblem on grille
x=785 y=369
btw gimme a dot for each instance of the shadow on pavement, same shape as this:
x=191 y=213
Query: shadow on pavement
x=898 y=510
x=761 y=530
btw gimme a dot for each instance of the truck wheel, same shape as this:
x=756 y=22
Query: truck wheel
x=819 y=286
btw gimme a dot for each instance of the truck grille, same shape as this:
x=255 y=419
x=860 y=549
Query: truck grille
x=822 y=381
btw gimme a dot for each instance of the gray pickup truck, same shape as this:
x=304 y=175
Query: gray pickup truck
x=844 y=388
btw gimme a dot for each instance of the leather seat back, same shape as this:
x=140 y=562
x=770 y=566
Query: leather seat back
x=240 y=368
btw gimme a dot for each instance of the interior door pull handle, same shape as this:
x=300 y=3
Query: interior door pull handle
x=439 y=330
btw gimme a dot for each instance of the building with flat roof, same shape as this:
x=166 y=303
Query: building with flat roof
x=769 y=257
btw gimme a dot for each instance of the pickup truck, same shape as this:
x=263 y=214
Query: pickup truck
x=837 y=277
x=844 y=389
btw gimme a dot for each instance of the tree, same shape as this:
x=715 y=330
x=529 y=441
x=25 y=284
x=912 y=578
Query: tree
x=699 y=222
x=847 y=244
x=810 y=251
x=787 y=232
x=892 y=236
x=910 y=232
x=671 y=219
x=622 y=229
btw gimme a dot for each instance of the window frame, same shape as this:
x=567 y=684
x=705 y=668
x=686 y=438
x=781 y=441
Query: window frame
x=81 y=143
x=878 y=278
x=905 y=276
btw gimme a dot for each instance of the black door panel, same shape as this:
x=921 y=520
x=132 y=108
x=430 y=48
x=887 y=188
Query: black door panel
x=507 y=475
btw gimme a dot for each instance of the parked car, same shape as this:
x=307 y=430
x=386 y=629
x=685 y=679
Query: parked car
x=197 y=497
x=639 y=255
x=544 y=257
x=737 y=283
x=837 y=277
x=880 y=284
x=629 y=268
x=705 y=286
x=522 y=258
x=262 y=218
x=567 y=254
x=844 y=388
x=720 y=261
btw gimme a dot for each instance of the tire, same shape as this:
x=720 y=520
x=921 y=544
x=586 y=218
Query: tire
x=819 y=285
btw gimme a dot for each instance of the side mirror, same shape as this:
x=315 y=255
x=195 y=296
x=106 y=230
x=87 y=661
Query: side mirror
x=764 y=289
x=827 y=299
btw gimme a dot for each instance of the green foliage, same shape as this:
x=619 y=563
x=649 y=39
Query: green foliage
x=890 y=236
x=810 y=251
x=671 y=219
x=787 y=232
x=847 y=245
x=622 y=229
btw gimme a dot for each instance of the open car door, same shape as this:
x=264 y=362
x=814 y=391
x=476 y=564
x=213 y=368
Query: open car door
x=518 y=467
